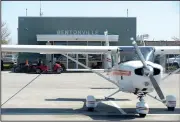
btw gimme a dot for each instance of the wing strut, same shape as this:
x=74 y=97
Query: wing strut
x=101 y=75
x=170 y=74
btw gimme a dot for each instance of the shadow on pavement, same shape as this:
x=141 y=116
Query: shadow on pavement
x=102 y=112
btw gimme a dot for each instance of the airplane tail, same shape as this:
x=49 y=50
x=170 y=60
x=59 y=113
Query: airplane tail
x=107 y=57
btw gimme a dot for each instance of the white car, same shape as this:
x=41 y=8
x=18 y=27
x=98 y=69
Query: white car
x=174 y=61
x=10 y=58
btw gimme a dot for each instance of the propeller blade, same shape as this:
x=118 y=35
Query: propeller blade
x=139 y=53
x=150 y=75
x=157 y=88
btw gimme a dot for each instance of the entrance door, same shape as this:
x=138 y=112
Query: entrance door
x=72 y=64
x=82 y=59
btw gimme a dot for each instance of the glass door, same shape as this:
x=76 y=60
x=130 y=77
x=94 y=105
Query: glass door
x=72 y=64
x=82 y=59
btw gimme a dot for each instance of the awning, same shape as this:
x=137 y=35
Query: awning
x=42 y=37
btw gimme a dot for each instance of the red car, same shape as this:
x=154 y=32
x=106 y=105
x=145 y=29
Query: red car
x=43 y=68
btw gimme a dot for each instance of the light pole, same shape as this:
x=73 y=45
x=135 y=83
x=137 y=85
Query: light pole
x=26 y=11
x=127 y=12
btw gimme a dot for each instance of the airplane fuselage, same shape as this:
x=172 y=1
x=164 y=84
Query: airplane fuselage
x=130 y=77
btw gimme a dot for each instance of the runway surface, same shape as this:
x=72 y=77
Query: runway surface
x=62 y=96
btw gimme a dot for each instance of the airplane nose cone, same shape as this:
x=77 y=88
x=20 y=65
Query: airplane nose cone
x=148 y=70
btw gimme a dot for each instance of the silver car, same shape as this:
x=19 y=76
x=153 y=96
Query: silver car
x=174 y=61
x=10 y=58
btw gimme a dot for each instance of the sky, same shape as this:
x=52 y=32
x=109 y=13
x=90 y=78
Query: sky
x=159 y=19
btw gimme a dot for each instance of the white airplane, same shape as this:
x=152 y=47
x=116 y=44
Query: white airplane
x=136 y=74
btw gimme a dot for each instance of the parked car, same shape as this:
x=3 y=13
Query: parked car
x=2 y=65
x=35 y=68
x=174 y=61
x=10 y=58
x=57 y=68
x=21 y=68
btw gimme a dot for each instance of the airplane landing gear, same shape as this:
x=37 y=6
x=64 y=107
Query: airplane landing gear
x=171 y=108
x=91 y=103
x=108 y=97
x=171 y=102
x=142 y=107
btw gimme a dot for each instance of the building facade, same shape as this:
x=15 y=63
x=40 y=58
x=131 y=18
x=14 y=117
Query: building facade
x=87 y=31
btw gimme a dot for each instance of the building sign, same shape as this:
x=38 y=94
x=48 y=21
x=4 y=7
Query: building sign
x=77 y=32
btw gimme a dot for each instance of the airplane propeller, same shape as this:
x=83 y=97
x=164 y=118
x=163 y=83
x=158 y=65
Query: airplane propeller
x=148 y=71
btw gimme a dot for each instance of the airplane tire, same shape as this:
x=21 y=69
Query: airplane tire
x=171 y=108
x=91 y=109
x=142 y=115
x=171 y=102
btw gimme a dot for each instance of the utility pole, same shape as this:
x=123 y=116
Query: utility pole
x=127 y=12
x=26 y=11
x=40 y=13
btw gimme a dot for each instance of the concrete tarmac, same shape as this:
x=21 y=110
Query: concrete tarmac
x=62 y=97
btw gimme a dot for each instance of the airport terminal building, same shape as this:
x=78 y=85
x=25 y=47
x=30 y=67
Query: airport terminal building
x=88 y=31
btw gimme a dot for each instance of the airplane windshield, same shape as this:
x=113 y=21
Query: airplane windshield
x=129 y=54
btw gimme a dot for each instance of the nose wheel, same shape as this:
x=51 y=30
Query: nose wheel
x=142 y=115
x=142 y=108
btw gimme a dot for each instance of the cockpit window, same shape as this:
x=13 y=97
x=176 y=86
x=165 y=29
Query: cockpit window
x=129 y=54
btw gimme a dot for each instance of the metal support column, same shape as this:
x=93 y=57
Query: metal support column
x=49 y=60
x=77 y=57
x=163 y=62
x=87 y=60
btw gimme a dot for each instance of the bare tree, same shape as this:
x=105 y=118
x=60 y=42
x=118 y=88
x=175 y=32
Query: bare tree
x=175 y=38
x=5 y=33
x=142 y=38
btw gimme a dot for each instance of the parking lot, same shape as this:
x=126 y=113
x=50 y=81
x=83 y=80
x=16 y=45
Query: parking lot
x=62 y=97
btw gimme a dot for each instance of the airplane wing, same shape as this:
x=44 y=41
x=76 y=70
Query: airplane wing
x=57 y=49
x=54 y=49
x=162 y=50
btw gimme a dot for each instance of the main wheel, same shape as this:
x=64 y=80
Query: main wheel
x=171 y=102
x=90 y=103
x=171 y=108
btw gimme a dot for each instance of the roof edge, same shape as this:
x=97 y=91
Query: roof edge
x=71 y=17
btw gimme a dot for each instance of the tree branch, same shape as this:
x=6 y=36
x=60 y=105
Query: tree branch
x=5 y=33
